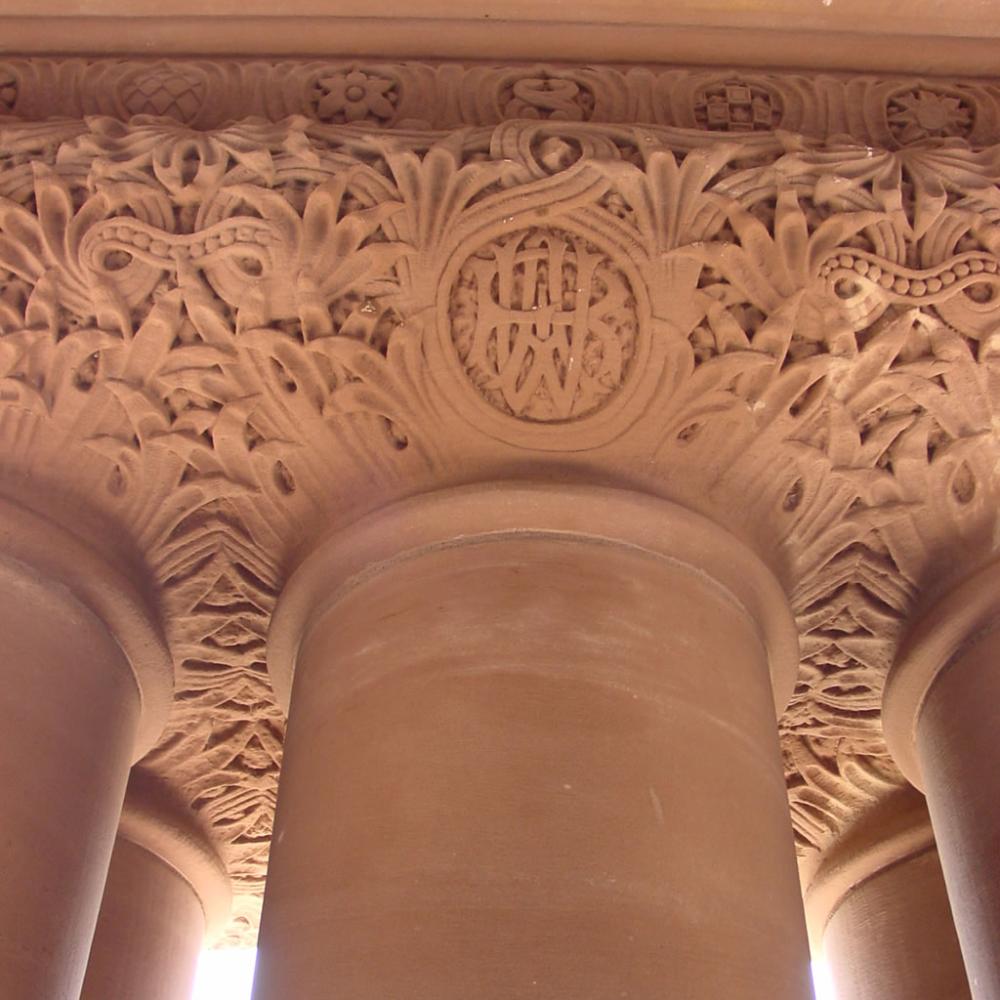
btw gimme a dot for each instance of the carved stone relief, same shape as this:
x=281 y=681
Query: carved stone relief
x=544 y=324
x=881 y=110
x=227 y=340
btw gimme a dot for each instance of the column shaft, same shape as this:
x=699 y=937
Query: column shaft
x=87 y=684
x=149 y=934
x=69 y=706
x=167 y=894
x=892 y=937
x=958 y=742
x=533 y=767
x=942 y=725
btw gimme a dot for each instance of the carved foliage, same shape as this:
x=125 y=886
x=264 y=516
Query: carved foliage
x=255 y=333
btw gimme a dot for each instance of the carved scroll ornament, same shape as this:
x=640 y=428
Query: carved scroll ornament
x=227 y=341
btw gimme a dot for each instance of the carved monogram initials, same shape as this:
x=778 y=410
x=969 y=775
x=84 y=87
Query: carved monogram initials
x=544 y=324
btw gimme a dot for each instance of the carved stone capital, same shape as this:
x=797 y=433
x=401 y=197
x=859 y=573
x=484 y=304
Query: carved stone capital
x=772 y=300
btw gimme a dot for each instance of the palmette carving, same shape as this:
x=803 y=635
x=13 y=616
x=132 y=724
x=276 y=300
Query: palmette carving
x=227 y=342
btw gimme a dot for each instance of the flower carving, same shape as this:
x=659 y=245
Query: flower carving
x=925 y=114
x=355 y=97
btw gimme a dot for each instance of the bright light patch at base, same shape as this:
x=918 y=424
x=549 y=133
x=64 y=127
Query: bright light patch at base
x=228 y=975
x=823 y=981
x=225 y=974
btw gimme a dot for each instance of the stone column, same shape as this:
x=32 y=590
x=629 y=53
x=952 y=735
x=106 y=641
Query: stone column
x=532 y=752
x=942 y=721
x=878 y=909
x=85 y=691
x=167 y=892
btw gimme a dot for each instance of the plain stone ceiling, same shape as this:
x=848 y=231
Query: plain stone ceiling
x=972 y=17
x=922 y=35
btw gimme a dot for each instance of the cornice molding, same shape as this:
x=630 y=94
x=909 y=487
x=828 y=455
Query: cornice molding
x=848 y=36
x=230 y=342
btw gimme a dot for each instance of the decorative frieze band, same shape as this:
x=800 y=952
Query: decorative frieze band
x=885 y=111
x=226 y=342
